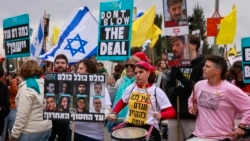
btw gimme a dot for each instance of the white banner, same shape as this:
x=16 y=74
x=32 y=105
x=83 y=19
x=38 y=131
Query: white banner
x=176 y=31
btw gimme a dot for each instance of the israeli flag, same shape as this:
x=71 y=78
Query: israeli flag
x=146 y=45
x=36 y=47
x=78 y=38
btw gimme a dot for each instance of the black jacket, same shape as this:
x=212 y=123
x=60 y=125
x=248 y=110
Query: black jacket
x=4 y=104
x=181 y=84
x=197 y=65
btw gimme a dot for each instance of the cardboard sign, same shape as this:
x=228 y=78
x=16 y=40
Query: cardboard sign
x=115 y=30
x=213 y=26
x=245 y=44
x=74 y=97
x=175 y=13
x=176 y=31
x=16 y=36
x=179 y=47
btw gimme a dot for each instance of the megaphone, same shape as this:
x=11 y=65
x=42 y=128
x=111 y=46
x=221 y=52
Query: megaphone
x=12 y=65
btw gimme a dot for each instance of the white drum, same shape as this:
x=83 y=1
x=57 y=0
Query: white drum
x=129 y=134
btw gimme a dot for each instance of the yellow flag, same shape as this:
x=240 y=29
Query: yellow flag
x=232 y=51
x=153 y=35
x=143 y=29
x=55 y=35
x=227 y=28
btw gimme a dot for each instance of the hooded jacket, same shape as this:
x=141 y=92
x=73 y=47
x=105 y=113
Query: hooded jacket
x=29 y=102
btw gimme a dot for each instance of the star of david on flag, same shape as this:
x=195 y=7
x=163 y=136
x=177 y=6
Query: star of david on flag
x=78 y=42
x=78 y=38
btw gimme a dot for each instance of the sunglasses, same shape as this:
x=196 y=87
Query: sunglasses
x=98 y=103
x=129 y=65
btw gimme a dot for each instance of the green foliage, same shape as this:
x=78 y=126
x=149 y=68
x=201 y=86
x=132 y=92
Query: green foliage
x=199 y=20
x=199 y=23
x=206 y=49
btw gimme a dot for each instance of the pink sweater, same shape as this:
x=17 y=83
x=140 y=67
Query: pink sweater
x=217 y=108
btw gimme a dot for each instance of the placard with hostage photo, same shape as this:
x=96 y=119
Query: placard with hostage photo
x=178 y=48
x=75 y=97
x=97 y=97
x=175 y=13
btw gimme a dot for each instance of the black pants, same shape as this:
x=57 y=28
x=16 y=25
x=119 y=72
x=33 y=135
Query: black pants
x=155 y=134
x=61 y=129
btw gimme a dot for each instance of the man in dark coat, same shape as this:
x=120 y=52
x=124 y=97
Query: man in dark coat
x=4 y=101
x=179 y=88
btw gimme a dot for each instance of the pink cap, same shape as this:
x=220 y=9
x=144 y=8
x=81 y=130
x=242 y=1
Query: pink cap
x=146 y=66
x=141 y=56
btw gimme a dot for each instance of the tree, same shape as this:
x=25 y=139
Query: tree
x=199 y=23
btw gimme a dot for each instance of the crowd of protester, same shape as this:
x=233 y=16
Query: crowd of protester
x=202 y=100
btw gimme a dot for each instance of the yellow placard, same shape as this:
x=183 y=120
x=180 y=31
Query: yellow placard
x=138 y=108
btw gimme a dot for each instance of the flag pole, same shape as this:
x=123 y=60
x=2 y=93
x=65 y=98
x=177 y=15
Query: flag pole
x=73 y=131
x=152 y=55
x=46 y=34
x=46 y=30
x=216 y=9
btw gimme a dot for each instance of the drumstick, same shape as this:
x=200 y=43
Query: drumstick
x=123 y=124
x=150 y=100
x=149 y=132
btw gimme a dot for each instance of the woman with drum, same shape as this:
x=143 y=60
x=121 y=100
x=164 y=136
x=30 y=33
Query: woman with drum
x=117 y=88
x=147 y=103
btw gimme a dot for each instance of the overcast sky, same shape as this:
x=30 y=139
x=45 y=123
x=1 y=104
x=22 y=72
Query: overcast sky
x=61 y=9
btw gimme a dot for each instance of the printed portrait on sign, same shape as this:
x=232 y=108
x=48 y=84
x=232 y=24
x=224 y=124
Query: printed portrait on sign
x=82 y=88
x=65 y=87
x=64 y=103
x=82 y=103
x=51 y=87
x=175 y=13
x=178 y=47
x=50 y=102
x=50 y=94
x=81 y=97
x=97 y=105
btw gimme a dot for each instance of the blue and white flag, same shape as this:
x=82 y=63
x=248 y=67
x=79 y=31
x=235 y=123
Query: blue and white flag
x=36 y=47
x=78 y=38
x=146 y=45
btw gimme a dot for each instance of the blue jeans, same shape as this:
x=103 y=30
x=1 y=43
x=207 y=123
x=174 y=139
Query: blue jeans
x=43 y=136
x=9 y=122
